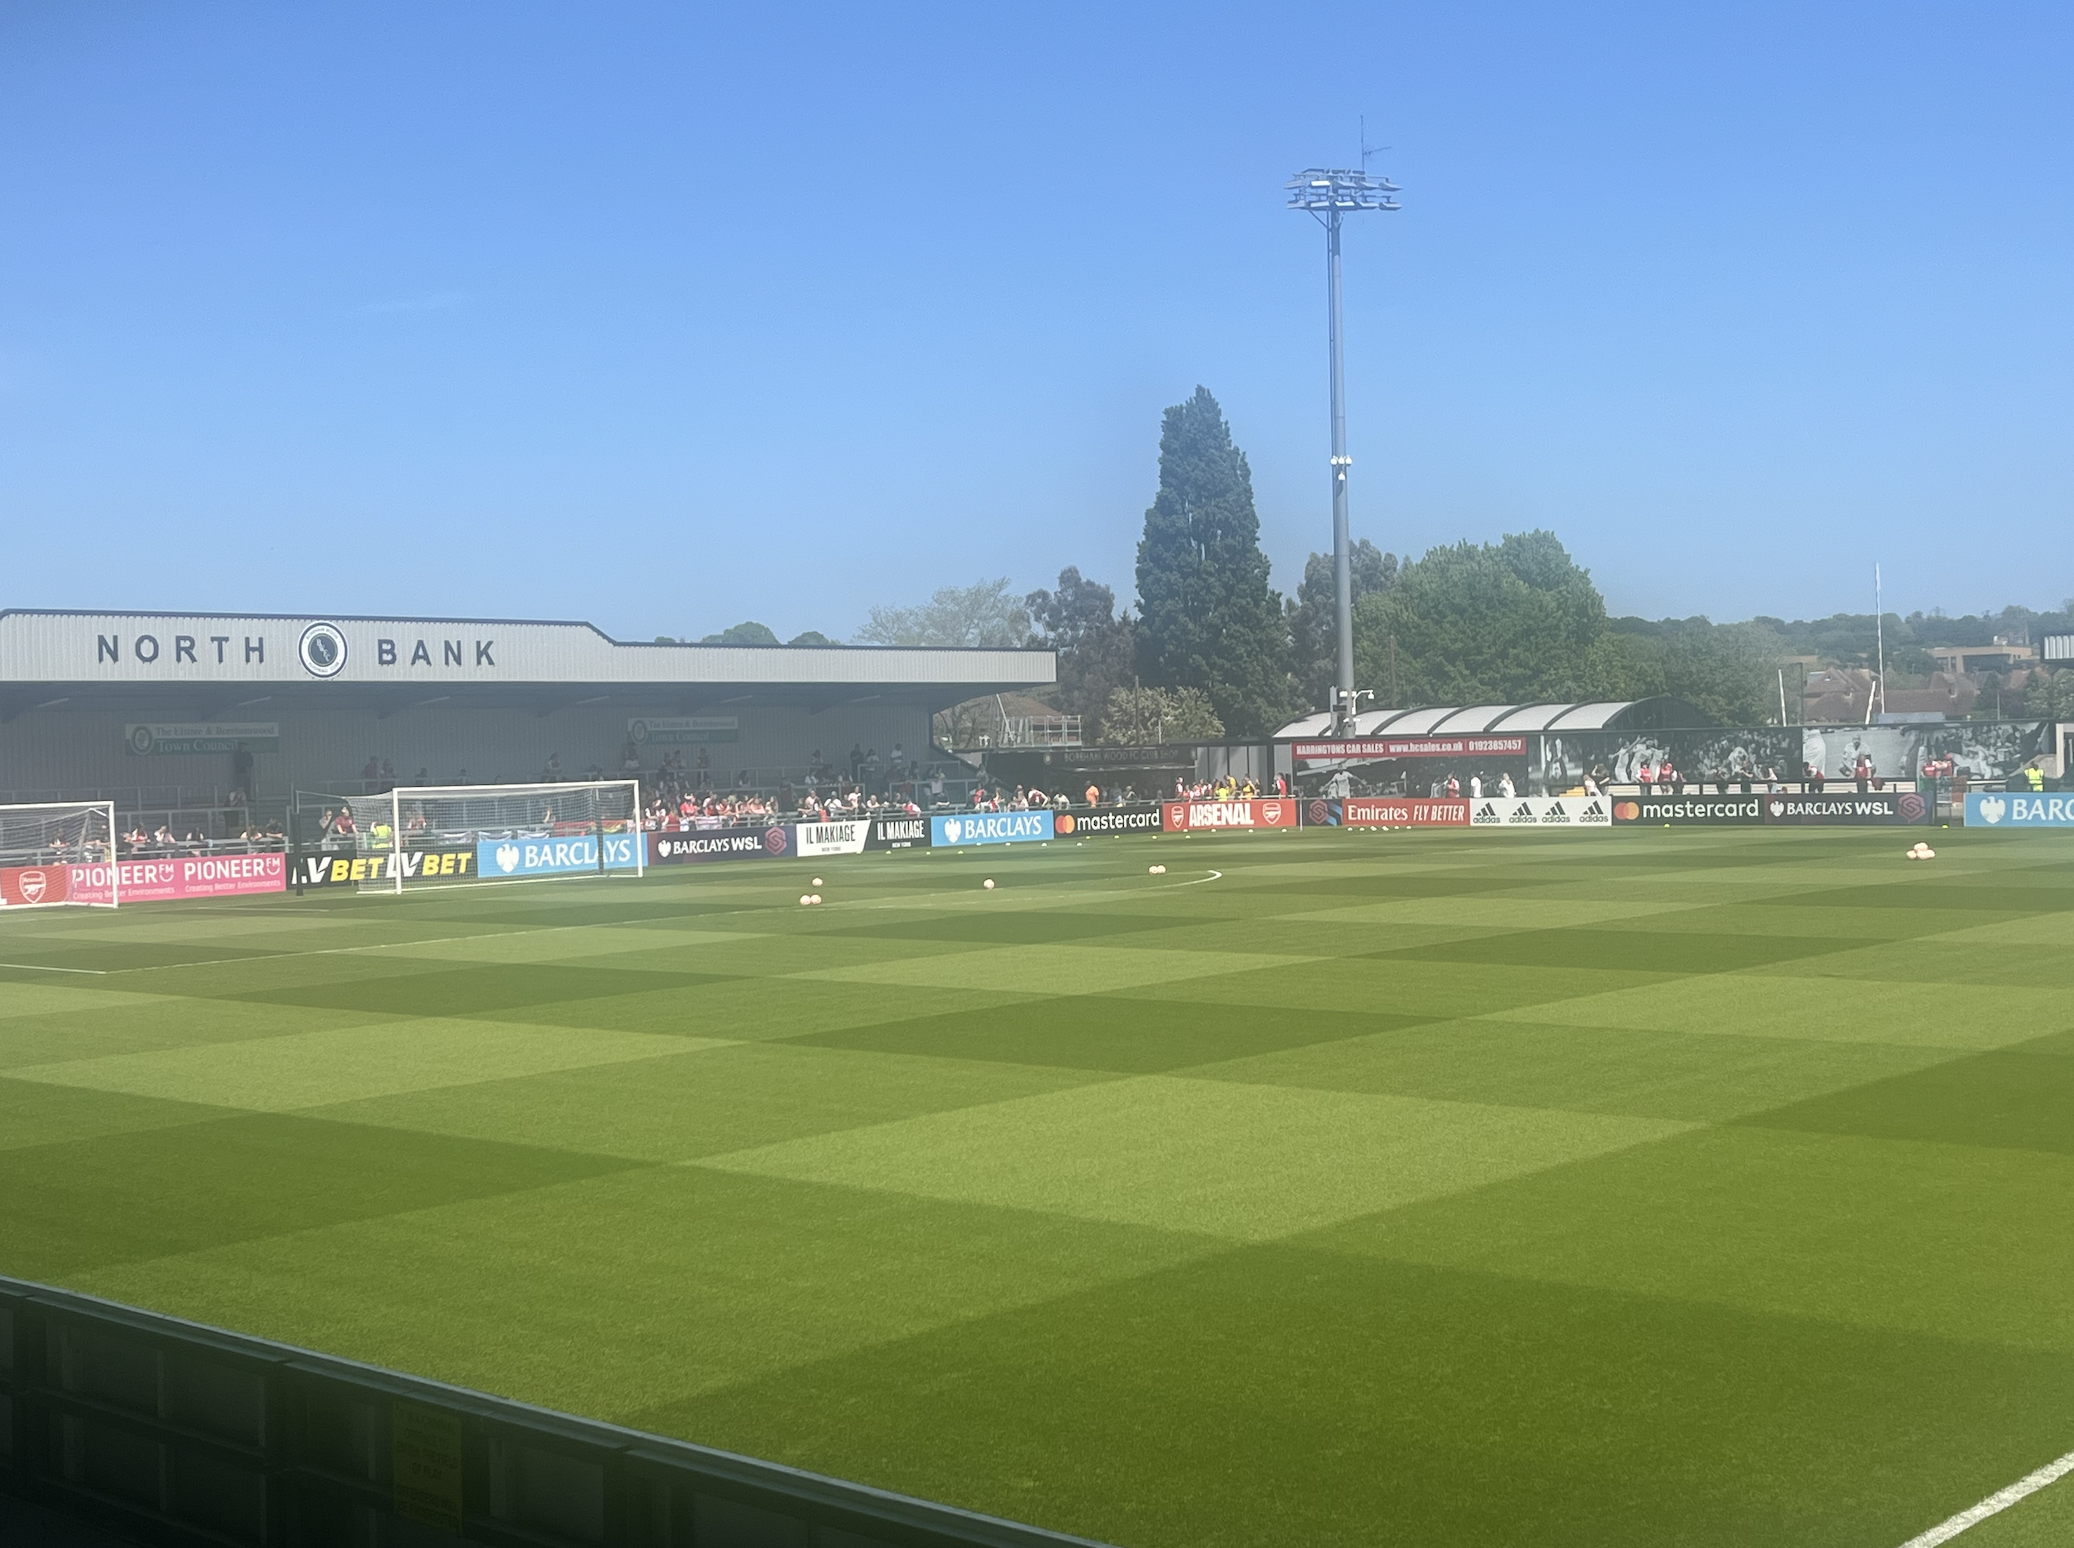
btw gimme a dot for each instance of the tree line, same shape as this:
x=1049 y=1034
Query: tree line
x=1211 y=650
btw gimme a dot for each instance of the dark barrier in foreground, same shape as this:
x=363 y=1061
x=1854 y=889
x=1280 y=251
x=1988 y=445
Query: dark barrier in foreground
x=178 y=1434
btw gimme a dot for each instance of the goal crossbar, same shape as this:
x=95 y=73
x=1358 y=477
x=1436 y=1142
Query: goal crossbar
x=527 y=832
x=55 y=853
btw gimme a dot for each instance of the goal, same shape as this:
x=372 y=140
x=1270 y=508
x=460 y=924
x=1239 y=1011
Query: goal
x=58 y=854
x=455 y=834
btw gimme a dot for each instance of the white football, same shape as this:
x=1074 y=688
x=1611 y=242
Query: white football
x=815 y=898
x=988 y=884
x=1929 y=854
x=817 y=881
x=804 y=900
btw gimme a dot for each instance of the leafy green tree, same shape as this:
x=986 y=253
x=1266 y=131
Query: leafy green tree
x=1146 y=717
x=812 y=637
x=742 y=634
x=1727 y=670
x=1496 y=623
x=1207 y=617
x=984 y=613
x=1314 y=623
x=1096 y=648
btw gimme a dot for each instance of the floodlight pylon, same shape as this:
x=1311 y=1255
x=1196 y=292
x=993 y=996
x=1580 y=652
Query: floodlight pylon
x=1327 y=193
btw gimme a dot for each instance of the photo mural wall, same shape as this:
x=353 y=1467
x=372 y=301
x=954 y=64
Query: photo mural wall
x=1982 y=752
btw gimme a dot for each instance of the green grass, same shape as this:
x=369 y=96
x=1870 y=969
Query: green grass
x=1634 y=1189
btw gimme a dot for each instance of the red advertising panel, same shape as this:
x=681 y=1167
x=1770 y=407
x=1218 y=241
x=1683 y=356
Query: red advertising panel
x=1410 y=747
x=1399 y=812
x=24 y=886
x=1184 y=816
x=181 y=876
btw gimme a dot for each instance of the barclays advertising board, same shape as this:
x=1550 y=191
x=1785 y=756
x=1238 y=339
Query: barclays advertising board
x=991 y=828
x=1989 y=809
x=554 y=856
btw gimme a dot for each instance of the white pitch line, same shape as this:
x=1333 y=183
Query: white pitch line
x=1213 y=876
x=1994 y=1504
x=42 y=967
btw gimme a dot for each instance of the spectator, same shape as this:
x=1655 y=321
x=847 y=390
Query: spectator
x=1093 y=793
x=372 y=769
x=1476 y=787
x=1505 y=786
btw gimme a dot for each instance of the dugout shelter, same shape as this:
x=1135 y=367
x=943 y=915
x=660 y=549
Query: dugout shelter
x=172 y=711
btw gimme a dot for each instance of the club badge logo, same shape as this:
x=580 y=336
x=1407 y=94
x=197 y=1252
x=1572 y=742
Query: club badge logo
x=322 y=650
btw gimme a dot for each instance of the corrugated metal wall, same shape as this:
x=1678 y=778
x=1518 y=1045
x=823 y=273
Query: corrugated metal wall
x=80 y=750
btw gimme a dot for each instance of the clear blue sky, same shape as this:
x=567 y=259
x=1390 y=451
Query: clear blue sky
x=670 y=317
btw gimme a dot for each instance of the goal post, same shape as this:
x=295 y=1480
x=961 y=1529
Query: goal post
x=455 y=834
x=59 y=853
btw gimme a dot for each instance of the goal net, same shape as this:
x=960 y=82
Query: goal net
x=450 y=835
x=58 y=854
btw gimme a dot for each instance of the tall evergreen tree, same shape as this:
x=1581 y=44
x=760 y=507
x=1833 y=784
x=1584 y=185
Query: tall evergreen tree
x=1207 y=617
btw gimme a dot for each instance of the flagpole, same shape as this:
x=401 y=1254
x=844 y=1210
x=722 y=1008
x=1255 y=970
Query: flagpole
x=1879 y=635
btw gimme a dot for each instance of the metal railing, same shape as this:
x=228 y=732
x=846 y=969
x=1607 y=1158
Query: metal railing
x=181 y=1435
x=1038 y=731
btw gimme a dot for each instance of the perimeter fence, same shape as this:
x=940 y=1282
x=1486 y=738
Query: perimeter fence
x=180 y=1436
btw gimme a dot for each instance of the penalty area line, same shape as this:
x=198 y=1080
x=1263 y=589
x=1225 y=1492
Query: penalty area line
x=44 y=967
x=1994 y=1504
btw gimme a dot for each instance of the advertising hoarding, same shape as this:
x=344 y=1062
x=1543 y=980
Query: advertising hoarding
x=177 y=877
x=25 y=886
x=1991 y=809
x=1385 y=812
x=1194 y=816
x=817 y=839
x=1542 y=813
x=1845 y=809
x=556 y=856
x=898 y=833
x=1106 y=821
x=991 y=828
x=417 y=864
x=1368 y=749
x=772 y=841
x=1688 y=811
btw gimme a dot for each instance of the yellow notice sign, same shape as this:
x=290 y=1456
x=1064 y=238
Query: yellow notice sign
x=427 y=1465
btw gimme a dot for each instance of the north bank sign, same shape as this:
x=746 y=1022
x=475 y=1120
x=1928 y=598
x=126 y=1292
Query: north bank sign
x=175 y=648
x=200 y=648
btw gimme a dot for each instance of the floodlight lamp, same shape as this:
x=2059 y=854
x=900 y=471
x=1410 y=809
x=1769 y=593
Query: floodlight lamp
x=1330 y=188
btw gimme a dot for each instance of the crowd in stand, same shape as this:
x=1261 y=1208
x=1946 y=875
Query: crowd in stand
x=163 y=842
x=1230 y=788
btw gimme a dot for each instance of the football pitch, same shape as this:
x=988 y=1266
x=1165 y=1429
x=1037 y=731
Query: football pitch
x=1645 y=1188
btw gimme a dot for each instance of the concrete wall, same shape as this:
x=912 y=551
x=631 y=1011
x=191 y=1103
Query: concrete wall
x=81 y=751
